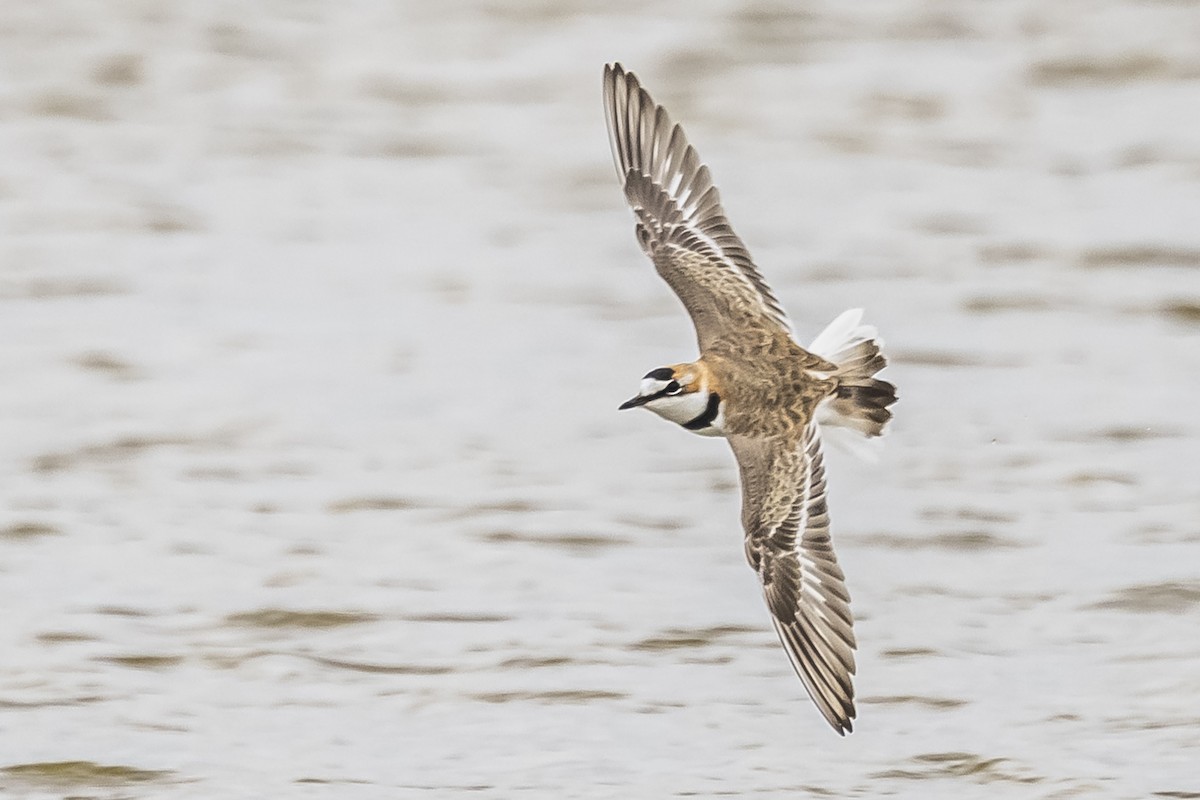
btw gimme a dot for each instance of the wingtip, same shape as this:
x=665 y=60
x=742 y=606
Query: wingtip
x=833 y=697
x=843 y=723
x=614 y=73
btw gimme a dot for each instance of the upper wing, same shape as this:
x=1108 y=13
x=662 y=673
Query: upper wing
x=788 y=545
x=680 y=222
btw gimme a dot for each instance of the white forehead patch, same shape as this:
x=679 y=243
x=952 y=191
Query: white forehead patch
x=651 y=386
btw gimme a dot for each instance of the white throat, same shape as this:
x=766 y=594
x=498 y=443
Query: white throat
x=699 y=412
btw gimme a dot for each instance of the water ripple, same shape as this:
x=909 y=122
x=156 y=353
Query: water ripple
x=1155 y=598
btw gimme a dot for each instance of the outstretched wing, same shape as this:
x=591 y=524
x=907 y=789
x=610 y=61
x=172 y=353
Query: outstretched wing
x=788 y=545
x=680 y=222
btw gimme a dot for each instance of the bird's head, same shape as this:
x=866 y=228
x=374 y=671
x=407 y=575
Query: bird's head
x=683 y=394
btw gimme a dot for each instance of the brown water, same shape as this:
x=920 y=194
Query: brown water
x=314 y=318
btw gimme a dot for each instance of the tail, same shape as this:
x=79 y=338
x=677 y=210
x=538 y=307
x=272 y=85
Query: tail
x=861 y=400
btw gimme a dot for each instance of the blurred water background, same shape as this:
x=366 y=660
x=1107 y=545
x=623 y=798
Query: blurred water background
x=314 y=317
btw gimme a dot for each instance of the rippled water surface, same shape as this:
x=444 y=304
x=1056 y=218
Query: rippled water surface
x=314 y=318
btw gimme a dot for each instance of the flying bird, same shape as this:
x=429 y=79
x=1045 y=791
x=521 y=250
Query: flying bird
x=754 y=385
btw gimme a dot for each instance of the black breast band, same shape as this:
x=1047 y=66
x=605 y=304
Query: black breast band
x=709 y=414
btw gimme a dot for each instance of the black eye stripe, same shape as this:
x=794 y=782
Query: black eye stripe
x=673 y=388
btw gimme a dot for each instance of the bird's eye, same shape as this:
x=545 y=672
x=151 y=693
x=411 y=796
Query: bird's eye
x=674 y=388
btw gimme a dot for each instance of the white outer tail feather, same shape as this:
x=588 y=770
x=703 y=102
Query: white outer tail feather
x=842 y=335
x=854 y=347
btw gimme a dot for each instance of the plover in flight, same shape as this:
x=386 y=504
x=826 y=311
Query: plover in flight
x=754 y=385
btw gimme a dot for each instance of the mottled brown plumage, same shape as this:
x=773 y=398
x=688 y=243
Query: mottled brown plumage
x=771 y=389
